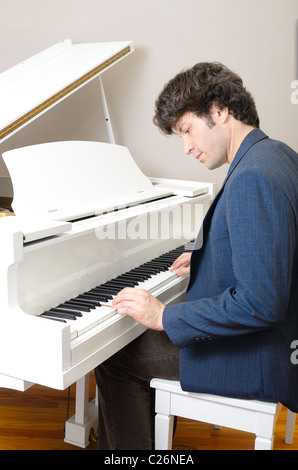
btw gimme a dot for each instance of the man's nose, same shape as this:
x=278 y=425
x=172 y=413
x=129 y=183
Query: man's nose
x=188 y=148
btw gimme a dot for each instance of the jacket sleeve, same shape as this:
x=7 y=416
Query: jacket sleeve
x=262 y=234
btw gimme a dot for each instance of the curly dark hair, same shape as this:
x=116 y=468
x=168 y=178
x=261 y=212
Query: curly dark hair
x=197 y=89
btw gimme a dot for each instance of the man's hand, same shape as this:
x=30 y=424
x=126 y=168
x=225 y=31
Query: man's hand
x=140 y=305
x=181 y=265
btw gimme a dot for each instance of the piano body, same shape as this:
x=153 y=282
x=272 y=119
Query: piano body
x=85 y=218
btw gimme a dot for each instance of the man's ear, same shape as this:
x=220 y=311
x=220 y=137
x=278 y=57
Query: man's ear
x=219 y=115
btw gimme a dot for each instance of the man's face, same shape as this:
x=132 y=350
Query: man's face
x=207 y=144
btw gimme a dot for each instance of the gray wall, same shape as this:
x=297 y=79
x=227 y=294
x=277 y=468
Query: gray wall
x=255 y=38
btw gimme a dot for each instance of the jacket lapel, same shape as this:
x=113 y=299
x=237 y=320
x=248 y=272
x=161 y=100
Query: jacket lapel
x=252 y=138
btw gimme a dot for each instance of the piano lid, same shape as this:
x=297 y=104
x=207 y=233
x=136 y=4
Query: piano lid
x=39 y=83
x=71 y=180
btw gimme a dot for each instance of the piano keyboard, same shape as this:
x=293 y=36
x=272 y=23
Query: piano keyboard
x=91 y=308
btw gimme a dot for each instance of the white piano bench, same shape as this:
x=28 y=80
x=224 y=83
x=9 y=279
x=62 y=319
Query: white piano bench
x=252 y=416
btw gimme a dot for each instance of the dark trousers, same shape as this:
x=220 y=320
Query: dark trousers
x=126 y=402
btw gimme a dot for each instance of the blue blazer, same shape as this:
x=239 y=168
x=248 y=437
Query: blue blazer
x=236 y=329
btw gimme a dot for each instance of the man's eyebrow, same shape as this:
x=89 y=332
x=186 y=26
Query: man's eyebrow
x=179 y=130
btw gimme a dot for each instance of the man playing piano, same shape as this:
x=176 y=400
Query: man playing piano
x=233 y=334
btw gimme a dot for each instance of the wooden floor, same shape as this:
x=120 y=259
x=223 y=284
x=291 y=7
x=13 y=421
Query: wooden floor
x=34 y=420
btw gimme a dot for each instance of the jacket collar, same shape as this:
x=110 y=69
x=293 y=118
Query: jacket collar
x=251 y=139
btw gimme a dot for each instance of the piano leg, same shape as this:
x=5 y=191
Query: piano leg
x=13 y=383
x=85 y=420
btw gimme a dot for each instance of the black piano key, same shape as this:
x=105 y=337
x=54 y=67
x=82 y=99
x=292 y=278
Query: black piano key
x=123 y=283
x=171 y=256
x=97 y=291
x=164 y=258
x=99 y=298
x=130 y=282
x=91 y=297
x=105 y=286
x=66 y=309
x=100 y=290
x=75 y=306
x=88 y=303
x=88 y=298
x=134 y=277
x=158 y=266
x=131 y=279
x=159 y=262
x=67 y=316
x=142 y=274
x=162 y=263
x=106 y=290
x=166 y=263
x=100 y=295
x=54 y=318
x=150 y=269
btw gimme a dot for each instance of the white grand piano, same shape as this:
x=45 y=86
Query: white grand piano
x=86 y=223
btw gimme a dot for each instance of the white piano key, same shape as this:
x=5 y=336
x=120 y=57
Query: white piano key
x=89 y=320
